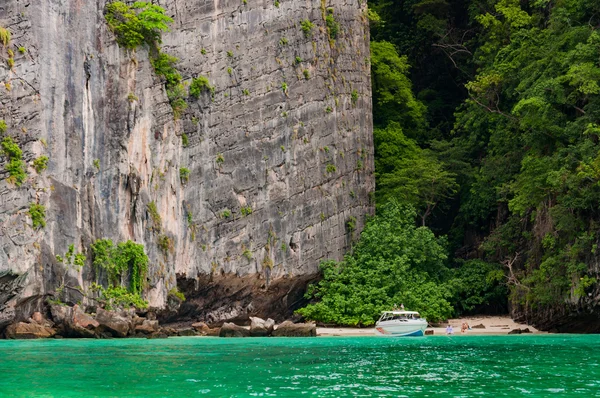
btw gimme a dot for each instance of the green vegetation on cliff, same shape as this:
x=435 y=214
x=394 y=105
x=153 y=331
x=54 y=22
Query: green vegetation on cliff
x=137 y=24
x=125 y=264
x=15 y=165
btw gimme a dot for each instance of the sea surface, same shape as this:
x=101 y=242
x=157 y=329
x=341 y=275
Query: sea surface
x=440 y=366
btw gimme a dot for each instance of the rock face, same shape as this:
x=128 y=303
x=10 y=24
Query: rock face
x=280 y=158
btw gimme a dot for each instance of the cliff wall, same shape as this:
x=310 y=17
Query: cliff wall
x=280 y=158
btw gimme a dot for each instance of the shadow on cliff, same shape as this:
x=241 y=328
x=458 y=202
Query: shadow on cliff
x=216 y=299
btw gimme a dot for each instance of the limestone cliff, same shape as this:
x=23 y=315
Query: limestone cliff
x=280 y=158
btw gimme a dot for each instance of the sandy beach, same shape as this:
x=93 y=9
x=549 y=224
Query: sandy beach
x=480 y=325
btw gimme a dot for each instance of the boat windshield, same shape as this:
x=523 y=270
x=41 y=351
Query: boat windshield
x=390 y=316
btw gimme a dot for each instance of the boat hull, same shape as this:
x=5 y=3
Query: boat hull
x=401 y=330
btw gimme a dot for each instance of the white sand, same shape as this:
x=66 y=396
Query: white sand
x=494 y=325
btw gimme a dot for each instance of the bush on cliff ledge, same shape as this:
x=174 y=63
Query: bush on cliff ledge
x=137 y=24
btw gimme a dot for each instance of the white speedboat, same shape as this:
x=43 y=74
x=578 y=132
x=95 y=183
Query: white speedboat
x=401 y=323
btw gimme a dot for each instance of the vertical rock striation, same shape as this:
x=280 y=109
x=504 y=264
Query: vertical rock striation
x=280 y=155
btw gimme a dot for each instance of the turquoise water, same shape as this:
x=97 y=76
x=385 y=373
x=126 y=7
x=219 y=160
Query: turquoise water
x=561 y=365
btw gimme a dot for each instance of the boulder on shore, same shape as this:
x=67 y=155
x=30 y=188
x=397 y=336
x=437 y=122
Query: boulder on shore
x=260 y=327
x=480 y=326
x=290 y=329
x=204 y=330
x=73 y=321
x=519 y=331
x=147 y=327
x=232 y=330
x=22 y=330
x=187 y=332
x=113 y=323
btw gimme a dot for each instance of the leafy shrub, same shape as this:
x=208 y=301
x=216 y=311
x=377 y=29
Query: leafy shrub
x=185 y=140
x=137 y=24
x=40 y=164
x=184 y=174
x=72 y=259
x=306 y=74
x=394 y=262
x=127 y=258
x=165 y=244
x=4 y=36
x=332 y=26
x=3 y=126
x=164 y=65
x=246 y=210
x=199 y=85
x=156 y=218
x=351 y=224
x=478 y=286
x=354 y=96
x=179 y=106
x=330 y=168
x=176 y=293
x=15 y=165
x=226 y=213
x=307 y=28
x=119 y=297
x=38 y=215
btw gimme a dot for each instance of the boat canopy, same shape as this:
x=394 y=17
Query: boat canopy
x=399 y=315
x=400 y=312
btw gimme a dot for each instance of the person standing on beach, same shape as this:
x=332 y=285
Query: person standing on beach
x=449 y=329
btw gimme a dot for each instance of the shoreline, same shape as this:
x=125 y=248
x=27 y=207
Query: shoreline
x=480 y=326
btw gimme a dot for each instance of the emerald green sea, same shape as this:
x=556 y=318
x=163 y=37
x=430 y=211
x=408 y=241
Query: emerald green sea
x=562 y=365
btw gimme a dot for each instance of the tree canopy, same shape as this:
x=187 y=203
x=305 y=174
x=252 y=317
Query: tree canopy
x=487 y=126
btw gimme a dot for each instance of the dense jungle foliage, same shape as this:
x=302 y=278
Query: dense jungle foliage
x=487 y=129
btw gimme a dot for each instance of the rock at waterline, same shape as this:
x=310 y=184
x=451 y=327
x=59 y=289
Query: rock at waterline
x=232 y=330
x=147 y=327
x=113 y=323
x=187 y=332
x=204 y=330
x=290 y=329
x=22 y=330
x=260 y=327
